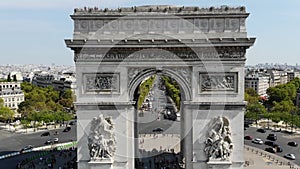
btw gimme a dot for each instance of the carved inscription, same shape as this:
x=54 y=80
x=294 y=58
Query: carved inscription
x=102 y=82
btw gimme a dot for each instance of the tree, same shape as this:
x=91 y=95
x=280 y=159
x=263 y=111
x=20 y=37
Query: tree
x=15 y=78
x=8 y=78
x=66 y=102
x=285 y=106
x=26 y=87
x=25 y=123
x=173 y=90
x=67 y=94
x=255 y=111
x=6 y=114
x=251 y=96
x=1 y=102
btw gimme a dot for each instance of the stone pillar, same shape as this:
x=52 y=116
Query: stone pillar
x=187 y=130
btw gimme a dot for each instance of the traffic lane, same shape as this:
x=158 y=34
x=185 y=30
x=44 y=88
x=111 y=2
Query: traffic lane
x=169 y=127
x=282 y=140
x=18 y=141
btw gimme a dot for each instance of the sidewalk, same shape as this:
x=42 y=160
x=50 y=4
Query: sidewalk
x=18 y=129
x=259 y=159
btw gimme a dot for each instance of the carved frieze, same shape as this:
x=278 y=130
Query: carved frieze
x=214 y=53
x=218 y=145
x=217 y=82
x=102 y=82
x=171 y=25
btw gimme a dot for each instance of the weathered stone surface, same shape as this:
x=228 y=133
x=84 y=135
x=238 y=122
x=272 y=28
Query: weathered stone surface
x=203 y=49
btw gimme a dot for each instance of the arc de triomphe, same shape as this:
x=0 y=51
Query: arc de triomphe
x=203 y=49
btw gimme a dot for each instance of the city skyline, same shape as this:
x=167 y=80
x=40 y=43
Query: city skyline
x=35 y=32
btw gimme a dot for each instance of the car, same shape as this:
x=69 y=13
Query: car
x=290 y=156
x=292 y=143
x=278 y=148
x=55 y=140
x=270 y=143
x=270 y=149
x=158 y=129
x=272 y=137
x=248 y=138
x=51 y=141
x=68 y=128
x=277 y=130
x=47 y=133
x=29 y=147
x=261 y=130
x=72 y=123
x=257 y=141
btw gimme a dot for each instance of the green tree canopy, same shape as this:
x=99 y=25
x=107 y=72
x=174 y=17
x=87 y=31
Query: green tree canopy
x=6 y=114
x=255 y=111
x=1 y=102
x=251 y=96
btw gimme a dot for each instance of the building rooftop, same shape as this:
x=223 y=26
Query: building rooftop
x=167 y=9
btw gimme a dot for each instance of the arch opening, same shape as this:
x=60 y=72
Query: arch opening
x=158 y=124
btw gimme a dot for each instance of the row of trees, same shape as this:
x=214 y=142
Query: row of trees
x=279 y=106
x=144 y=89
x=172 y=89
x=45 y=105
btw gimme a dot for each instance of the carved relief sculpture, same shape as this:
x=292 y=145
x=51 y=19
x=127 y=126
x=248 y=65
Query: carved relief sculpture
x=102 y=82
x=217 y=82
x=101 y=139
x=218 y=145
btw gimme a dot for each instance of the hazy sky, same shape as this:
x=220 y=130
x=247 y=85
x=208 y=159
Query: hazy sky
x=33 y=31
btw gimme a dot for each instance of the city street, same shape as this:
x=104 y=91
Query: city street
x=12 y=142
x=152 y=119
x=158 y=149
x=282 y=140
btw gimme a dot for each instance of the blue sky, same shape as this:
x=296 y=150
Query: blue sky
x=33 y=31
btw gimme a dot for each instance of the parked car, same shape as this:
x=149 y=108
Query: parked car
x=257 y=141
x=29 y=147
x=51 y=141
x=47 y=133
x=272 y=137
x=248 y=138
x=55 y=140
x=261 y=130
x=270 y=143
x=271 y=149
x=68 y=128
x=277 y=130
x=158 y=129
x=290 y=156
x=72 y=123
x=292 y=143
x=278 y=148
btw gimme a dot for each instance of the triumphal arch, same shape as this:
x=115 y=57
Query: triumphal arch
x=202 y=49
